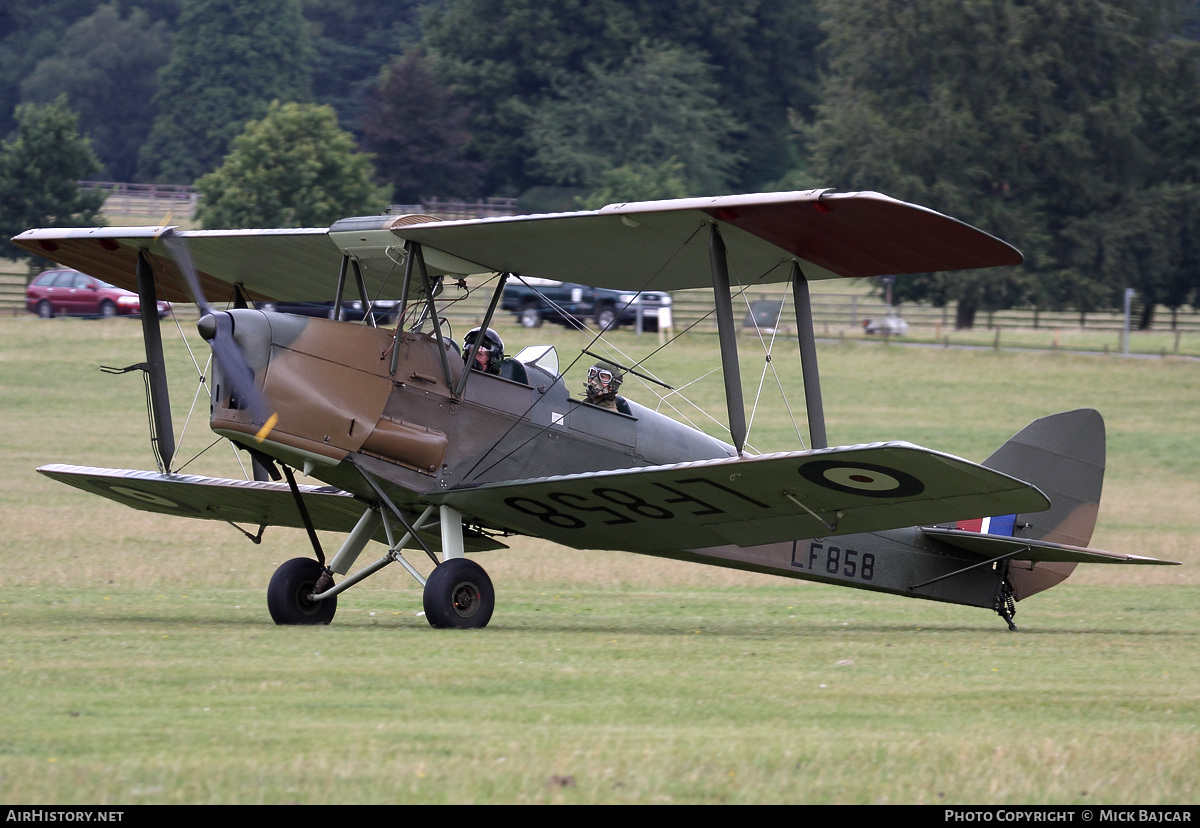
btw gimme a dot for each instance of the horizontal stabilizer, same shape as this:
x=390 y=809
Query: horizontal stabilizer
x=995 y=546
x=747 y=501
x=250 y=502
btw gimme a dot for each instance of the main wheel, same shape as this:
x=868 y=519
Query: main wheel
x=287 y=595
x=459 y=595
x=530 y=316
x=606 y=318
x=45 y=310
x=107 y=309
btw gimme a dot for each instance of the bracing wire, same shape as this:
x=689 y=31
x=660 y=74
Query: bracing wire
x=594 y=339
x=610 y=348
x=202 y=451
x=768 y=364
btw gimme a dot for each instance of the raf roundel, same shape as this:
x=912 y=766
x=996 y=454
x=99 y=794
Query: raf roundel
x=861 y=478
x=126 y=494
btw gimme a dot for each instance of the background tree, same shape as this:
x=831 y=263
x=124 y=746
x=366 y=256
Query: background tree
x=230 y=59
x=29 y=32
x=40 y=164
x=505 y=57
x=659 y=105
x=294 y=168
x=419 y=135
x=1142 y=234
x=638 y=182
x=1033 y=120
x=352 y=42
x=107 y=66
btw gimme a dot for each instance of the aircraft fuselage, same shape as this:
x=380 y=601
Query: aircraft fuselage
x=331 y=386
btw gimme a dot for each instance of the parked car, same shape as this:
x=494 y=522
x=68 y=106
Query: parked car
x=71 y=293
x=888 y=326
x=384 y=312
x=535 y=301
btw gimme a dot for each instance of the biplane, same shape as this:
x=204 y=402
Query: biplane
x=417 y=452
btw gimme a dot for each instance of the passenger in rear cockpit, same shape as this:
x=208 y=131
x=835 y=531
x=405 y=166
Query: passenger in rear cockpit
x=603 y=380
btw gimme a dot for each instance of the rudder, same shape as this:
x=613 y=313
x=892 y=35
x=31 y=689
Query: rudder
x=1063 y=455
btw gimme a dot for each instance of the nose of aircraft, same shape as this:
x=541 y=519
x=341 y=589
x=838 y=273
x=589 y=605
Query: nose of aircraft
x=218 y=329
x=241 y=345
x=253 y=332
x=207 y=326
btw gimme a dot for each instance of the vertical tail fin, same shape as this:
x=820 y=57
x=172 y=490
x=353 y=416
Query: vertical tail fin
x=1063 y=455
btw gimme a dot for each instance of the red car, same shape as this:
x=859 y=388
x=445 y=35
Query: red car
x=71 y=293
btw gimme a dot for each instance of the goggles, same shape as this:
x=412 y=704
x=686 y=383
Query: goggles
x=602 y=374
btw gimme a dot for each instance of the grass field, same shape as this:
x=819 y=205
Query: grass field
x=141 y=665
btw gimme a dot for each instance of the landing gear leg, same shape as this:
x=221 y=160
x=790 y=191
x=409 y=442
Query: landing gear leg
x=458 y=594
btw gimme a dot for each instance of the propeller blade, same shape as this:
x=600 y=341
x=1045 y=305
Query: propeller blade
x=179 y=252
x=217 y=327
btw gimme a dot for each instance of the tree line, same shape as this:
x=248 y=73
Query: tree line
x=1067 y=127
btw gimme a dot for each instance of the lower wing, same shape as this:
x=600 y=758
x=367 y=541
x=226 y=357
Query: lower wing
x=747 y=501
x=236 y=501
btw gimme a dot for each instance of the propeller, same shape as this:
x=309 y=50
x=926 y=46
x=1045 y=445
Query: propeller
x=217 y=328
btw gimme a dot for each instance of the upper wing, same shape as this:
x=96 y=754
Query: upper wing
x=238 y=501
x=268 y=264
x=654 y=244
x=1028 y=549
x=748 y=501
x=664 y=244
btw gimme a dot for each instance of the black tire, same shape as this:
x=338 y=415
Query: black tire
x=530 y=316
x=287 y=595
x=45 y=310
x=606 y=318
x=459 y=595
x=107 y=309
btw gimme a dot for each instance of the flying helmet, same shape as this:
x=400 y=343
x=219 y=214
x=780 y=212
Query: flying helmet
x=491 y=343
x=603 y=380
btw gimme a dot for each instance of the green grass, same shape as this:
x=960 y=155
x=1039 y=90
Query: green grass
x=141 y=666
x=772 y=693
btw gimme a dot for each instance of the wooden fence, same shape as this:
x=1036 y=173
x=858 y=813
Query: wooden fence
x=841 y=310
x=124 y=199
x=841 y=315
x=127 y=199
x=455 y=210
x=834 y=314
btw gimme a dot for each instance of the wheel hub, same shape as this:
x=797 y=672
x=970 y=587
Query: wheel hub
x=466 y=599
x=304 y=603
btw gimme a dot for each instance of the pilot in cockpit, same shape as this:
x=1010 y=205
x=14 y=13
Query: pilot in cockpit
x=490 y=353
x=490 y=356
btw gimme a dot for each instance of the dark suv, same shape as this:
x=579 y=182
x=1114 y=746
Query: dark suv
x=533 y=301
x=352 y=311
x=71 y=293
